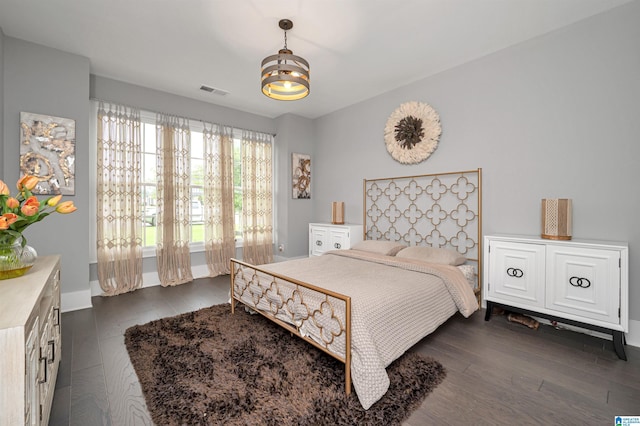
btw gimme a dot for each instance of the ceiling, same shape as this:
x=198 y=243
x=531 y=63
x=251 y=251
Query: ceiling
x=357 y=48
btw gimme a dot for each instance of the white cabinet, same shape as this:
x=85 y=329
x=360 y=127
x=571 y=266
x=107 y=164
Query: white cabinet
x=581 y=283
x=325 y=236
x=30 y=343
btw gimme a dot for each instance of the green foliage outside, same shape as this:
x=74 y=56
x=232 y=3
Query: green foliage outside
x=197 y=180
x=197 y=234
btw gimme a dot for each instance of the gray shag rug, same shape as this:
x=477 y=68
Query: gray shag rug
x=210 y=367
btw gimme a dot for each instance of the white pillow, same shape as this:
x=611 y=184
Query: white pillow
x=387 y=248
x=432 y=255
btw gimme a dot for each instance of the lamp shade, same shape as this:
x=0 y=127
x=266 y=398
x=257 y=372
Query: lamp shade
x=556 y=218
x=337 y=212
x=285 y=76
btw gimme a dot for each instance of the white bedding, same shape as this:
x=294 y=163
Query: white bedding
x=395 y=303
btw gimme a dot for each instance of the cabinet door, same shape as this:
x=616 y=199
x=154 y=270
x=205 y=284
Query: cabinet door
x=56 y=317
x=318 y=240
x=339 y=239
x=46 y=354
x=584 y=282
x=32 y=378
x=516 y=273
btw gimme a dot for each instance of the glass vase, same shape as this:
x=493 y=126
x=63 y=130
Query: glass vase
x=15 y=260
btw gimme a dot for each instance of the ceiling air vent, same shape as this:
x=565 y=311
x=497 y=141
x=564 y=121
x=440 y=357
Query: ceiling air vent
x=214 y=90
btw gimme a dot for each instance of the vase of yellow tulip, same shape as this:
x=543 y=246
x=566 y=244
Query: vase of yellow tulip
x=16 y=214
x=16 y=259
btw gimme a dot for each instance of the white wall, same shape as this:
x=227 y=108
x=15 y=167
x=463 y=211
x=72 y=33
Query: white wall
x=553 y=117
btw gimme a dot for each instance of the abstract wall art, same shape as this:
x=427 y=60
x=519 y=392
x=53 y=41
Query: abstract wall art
x=301 y=175
x=47 y=151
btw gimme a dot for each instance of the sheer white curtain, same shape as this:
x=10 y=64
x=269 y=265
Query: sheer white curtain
x=173 y=174
x=257 y=197
x=219 y=234
x=119 y=212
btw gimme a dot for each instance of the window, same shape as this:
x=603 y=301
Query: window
x=149 y=184
x=237 y=188
x=149 y=192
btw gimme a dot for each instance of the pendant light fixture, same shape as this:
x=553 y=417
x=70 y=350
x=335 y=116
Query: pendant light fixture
x=285 y=76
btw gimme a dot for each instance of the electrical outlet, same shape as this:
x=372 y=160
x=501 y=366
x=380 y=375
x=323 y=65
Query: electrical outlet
x=281 y=247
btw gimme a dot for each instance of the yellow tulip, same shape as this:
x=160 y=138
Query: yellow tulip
x=54 y=200
x=66 y=207
x=12 y=203
x=4 y=189
x=27 y=182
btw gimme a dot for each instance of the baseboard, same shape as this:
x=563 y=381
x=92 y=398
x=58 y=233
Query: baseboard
x=151 y=279
x=75 y=300
x=282 y=258
x=632 y=337
x=574 y=328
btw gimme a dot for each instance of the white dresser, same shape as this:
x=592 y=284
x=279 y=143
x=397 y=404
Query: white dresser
x=30 y=343
x=326 y=236
x=580 y=283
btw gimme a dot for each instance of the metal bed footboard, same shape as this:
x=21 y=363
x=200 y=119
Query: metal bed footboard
x=265 y=286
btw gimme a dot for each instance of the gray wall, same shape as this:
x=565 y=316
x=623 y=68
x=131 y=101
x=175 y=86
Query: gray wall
x=52 y=82
x=1 y=102
x=294 y=134
x=553 y=117
x=154 y=100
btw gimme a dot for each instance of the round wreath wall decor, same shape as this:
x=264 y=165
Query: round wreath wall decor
x=412 y=132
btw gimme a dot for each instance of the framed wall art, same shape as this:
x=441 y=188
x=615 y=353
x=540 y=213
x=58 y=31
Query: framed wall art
x=301 y=175
x=47 y=151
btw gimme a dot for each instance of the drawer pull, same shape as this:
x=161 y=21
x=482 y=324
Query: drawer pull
x=53 y=351
x=337 y=245
x=580 y=282
x=43 y=358
x=57 y=311
x=515 y=272
x=318 y=243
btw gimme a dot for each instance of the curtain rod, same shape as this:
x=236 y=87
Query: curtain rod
x=160 y=112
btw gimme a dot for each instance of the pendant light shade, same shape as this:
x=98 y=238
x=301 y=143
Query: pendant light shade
x=285 y=76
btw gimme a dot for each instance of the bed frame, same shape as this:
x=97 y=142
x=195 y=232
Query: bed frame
x=440 y=210
x=263 y=285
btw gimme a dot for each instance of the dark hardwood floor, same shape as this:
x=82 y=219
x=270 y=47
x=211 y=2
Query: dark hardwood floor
x=498 y=373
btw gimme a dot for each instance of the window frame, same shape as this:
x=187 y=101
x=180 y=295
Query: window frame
x=149 y=117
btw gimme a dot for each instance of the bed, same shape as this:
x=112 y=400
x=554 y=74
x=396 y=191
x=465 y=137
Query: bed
x=418 y=265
